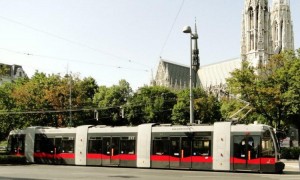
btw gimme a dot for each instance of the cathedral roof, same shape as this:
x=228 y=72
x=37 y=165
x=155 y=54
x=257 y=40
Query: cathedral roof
x=216 y=74
x=210 y=75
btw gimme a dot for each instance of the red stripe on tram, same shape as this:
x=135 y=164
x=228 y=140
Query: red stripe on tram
x=234 y=160
x=199 y=159
x=127 y=157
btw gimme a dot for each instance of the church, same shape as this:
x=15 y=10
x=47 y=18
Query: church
x=266 y=30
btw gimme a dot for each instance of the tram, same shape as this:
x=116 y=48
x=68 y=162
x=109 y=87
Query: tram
x=222 y=146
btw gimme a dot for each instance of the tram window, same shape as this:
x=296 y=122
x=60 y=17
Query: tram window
x=267 y=148
x=127 y=147
x=201 y=148
x=43 y=144
x=16 y=144
x=246 y=147
x=267 y=145
x=67 y=145
x=160 y=147
x=253 y=147
x=175 y=146
x=95 y=145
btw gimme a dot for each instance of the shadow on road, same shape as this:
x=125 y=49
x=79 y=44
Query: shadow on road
x=125 y=177
x=12 y=178
x=291 y=172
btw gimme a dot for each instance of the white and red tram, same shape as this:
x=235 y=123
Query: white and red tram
x=221 y=147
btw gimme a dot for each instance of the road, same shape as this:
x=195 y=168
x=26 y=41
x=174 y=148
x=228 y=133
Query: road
x=49 y=172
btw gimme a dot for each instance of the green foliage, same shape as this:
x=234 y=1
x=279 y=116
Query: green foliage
x=290 y=153
x=272 y=90
x=206 y=107
x=4 y=70
x=181 y=110
x=110 y=100
x=44 y=100
x=150 y=105
x=47 y=100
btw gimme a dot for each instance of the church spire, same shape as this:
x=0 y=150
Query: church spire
x=282 y=26
x=196 y=63
x=256 y=42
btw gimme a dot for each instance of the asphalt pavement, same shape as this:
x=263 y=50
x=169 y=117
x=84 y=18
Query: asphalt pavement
x=57 y=172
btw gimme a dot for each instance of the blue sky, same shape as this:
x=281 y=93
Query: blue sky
x=111 y=40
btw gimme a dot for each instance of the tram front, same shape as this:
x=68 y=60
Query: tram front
x=270 y=152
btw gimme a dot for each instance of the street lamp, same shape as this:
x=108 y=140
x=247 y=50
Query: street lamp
x=188 y=30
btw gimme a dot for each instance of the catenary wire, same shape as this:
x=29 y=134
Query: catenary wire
x=72 y=41
x=72 y=60
x=163 y=47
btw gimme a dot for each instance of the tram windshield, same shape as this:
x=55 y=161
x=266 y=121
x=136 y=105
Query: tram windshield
x=269 y=144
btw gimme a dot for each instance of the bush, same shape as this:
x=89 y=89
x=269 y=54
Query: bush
x=11 y=159
x=290 y=153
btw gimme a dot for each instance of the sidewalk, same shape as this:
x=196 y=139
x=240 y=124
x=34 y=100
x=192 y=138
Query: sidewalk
x=291 y=165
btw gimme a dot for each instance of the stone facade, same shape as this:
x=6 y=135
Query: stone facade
x=282 y=26
x=264 y=32
x=11 y=72
x=170 y=74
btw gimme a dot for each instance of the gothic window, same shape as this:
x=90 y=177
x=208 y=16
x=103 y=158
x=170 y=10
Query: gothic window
x=256 y=20
x=251 y=17
x=251 y=42
x=266 y=17
x=281 y=31
x=276 y=31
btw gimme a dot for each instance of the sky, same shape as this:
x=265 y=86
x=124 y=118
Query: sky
x=111 y=40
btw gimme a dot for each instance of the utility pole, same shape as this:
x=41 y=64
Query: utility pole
x=194 y=66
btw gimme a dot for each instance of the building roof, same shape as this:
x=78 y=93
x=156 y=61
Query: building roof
x=212 y=75
x=177 y=72
x=217 y=73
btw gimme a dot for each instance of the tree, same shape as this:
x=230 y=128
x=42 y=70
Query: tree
x=150 y=105
x=272 y=90
x=44 y=100
x=206 y=107
x=110 y=101
x=4 y=70
x=7 y=121
x=181 y=111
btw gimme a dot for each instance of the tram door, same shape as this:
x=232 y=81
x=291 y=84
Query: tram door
x=55 y=150
x=246 y=152
x=180 y=152
x=111 y=148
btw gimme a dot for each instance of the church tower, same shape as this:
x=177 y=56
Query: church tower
x=282 y=26
x=256 y=44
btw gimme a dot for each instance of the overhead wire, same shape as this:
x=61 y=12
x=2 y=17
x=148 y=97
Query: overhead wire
x=77 y=109
x=171 y=29
x=72 y=41
x=72 y=60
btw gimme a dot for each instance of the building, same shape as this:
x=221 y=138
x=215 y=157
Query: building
x=9 y=73
x=265 y=31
